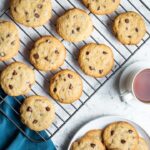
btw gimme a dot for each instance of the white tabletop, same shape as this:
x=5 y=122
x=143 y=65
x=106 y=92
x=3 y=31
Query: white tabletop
x=105 y=102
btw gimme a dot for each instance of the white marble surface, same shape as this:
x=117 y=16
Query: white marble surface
x=107 y=102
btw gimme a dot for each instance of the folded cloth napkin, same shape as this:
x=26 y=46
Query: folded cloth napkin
x=10 y=137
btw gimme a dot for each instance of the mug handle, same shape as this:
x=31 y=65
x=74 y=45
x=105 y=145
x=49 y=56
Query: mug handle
x=126 y=96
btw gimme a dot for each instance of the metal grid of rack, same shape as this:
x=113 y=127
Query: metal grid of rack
x=102 y=34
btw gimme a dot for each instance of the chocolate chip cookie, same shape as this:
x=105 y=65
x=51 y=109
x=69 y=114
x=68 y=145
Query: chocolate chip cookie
x=142 y=144
x=66 y=86
x=17 y=79
x=120 y=135
x=96 y=60
x=48 y=54
x=101 y=7
x=129 y=28
x=37 y=112
x=31 y=13
x=75 y=25
x=9 y=40
x=86 y=143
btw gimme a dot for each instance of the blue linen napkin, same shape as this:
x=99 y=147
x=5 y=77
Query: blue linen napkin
x=10 y=137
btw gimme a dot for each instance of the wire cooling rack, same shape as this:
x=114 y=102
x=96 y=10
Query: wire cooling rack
x=102 y=34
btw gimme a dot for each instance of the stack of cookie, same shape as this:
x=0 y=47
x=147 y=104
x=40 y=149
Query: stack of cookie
x=48 y=53
x=115 y=136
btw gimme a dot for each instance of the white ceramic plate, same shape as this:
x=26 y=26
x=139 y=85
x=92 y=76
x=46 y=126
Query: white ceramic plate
x=101 y=122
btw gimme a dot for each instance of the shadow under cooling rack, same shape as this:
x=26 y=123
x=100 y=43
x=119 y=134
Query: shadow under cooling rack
x=102 y=34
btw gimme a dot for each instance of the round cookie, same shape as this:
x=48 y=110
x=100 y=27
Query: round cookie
x=94 y=134
x=101 y=7
x=66 y=86
x=142 y=145
x=120 y=135
x=86 y=143
x=96 y=60
x=75 y=25
x=129 y=28
x=31 y=13
x=37 y=112
x=17 y=79
x=9 y=40
x=48 y=54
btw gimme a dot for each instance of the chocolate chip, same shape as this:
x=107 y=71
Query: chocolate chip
x=104 y=52
x=72 y=31
x=2 y=38
x=10 y=86
x=48 y=41
x=129 y=36
x=91 y=68
x=36 y=56
x=64 y=79
x=39 y=6
x=26 y=13
x=123 y=141
x=15 y=9
x=112 y=133
x=70 y=76
x=56 y=52
x=29 y=109
x=46 y=58
x=12 y=43
x=78 y=29
x=34 y=121
x=130 y=131
x=27 y=20
x=14 y=73
x=2 y=54
x=136 y=29
x=92 y=145
x=126 y=20
x=113 y=1
x=36 y=15
x=98 y=8
x=55 y=90
x=100 y=71
x=70 y=86
x=87 y=53
x=8 y=35
x=126 y=28
x=47 y=108
x=88 y=5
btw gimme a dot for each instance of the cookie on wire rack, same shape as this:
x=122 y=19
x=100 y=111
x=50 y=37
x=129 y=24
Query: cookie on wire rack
x=31 y=13
x=48 y=53
x=101 y=7
x=9 y=40
x=75 y=25
x=17 y=79
x=129 y=28
x=66 y=86
x=37 y=112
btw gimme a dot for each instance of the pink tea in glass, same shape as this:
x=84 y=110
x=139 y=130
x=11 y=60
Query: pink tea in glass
x=141 y=86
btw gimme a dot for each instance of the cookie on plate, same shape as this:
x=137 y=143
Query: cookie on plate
x=101 y=7
x=142 y=145
x=120 y=135
x=37 y=112
x=17 y=79
x=129 y=28
x=66 y=86
x=9 y=40
x=48 y=54
x=94 y=134
x=31 y=13
x=96 y=60
x=86 y=143
x=75 y=25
